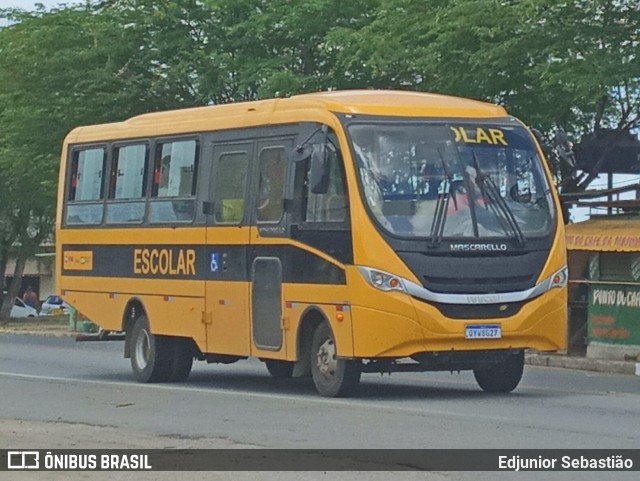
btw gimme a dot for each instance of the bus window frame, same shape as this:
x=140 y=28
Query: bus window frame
x=109 y=151
x=285 y=144
x=110 y=200
x=73 y=151
x=305 y=225
x=156 y=143
x=231 y=147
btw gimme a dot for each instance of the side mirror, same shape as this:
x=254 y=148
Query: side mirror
x=319 y=171
x=538 y=135
x=301 y=153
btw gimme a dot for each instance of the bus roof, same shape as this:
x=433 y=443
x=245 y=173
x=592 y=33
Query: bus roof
x=403 y=103
x=264 y=112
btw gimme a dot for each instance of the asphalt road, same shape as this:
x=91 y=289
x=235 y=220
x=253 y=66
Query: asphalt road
x=48 y=379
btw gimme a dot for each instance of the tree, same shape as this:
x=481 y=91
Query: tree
x=570 y=64
x=59 y=69
x=600 y=70
x=260 y=49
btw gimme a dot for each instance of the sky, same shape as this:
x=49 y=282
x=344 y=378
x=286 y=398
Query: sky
x=28 y=4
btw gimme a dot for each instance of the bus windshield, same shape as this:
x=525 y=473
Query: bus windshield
x=455 y=180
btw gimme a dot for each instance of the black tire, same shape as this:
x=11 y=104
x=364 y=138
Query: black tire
x=181 y=360
x=279 y=369
x=150 y=354
x=332 y=376
x=503 y=377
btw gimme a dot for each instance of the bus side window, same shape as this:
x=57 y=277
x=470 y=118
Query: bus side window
x=269 y=206
x=230 y=187
x=85 y=194
x=174 y=182
x=128 y=184
x=331 y=206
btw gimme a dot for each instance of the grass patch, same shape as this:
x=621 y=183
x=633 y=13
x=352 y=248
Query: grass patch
x=46 y=324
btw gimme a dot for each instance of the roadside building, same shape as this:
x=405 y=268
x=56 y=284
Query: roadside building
x=38 y=273
x=604 y=287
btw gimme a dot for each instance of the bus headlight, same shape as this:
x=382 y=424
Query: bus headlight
x=382 y=280
x=560 y=278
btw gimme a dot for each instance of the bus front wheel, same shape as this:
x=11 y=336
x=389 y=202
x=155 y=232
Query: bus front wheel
x=332 y=376
x=503 y=377
x=150 y=356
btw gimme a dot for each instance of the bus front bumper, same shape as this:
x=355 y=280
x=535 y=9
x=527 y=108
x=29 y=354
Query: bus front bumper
x=540 y=324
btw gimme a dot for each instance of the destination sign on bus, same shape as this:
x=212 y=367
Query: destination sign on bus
x=479 y=135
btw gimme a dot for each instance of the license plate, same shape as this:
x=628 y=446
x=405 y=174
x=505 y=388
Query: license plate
x=489 y=331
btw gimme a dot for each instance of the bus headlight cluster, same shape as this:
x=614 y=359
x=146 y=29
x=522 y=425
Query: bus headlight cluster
x=382 y=280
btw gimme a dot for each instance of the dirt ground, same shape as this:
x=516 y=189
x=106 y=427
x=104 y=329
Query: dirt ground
x=16 y=435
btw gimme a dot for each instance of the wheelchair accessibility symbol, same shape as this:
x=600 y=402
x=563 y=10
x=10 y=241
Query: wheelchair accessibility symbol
x=215 y=262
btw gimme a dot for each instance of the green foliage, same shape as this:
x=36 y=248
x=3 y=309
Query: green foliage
x=278 y=48
x=572 y=63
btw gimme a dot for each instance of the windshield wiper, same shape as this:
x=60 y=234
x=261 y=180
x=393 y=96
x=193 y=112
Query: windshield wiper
x=498 y=205
x=442 y=205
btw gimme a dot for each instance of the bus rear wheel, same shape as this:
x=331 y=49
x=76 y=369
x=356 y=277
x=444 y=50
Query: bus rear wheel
x=503 y=377
x=279 y=369
x=151 y=354
x=181 y=360
x=332 y=376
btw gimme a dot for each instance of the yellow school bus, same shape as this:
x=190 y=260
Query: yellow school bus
x=327 y=234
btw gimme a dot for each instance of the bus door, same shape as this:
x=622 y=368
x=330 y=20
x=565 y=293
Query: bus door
x=268 y=261
x=227 y=243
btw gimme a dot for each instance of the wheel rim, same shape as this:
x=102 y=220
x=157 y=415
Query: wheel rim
x=326 y=359
x=143 y=349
